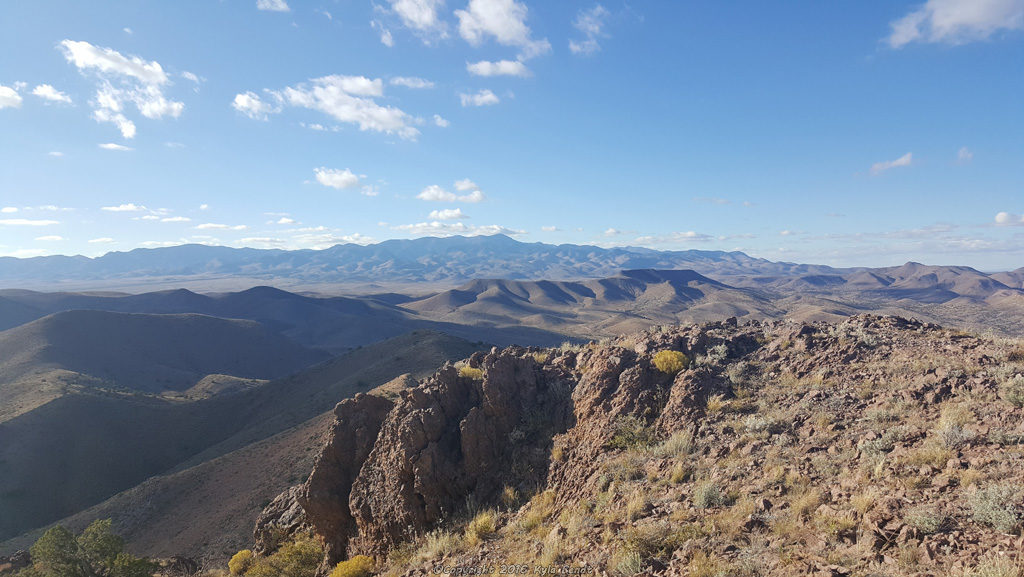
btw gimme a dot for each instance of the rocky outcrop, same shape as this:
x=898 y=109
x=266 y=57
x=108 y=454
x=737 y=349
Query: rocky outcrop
x=283 y=517
x=458 y=437
x=827 y=440
x=325 y=495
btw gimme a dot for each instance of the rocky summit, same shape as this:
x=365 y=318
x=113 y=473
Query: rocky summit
x=874 y=446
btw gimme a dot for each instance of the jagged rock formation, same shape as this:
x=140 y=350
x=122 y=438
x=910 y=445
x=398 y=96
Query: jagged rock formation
x=873 y=445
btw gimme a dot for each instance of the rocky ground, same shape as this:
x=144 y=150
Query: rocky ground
x=875 y=446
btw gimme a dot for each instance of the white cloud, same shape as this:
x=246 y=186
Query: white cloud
x=9 y=97
x=272 y=5
x=26 y=252
x=437 y=228
x=127 y=30
x=55 y=153
x=101 y=240
x=122 y=80
x=204 y=207
x=27 y=222
x=1009 y=219
x=499 y=68
x=411 y=82
x=285 y=220
x=129 y=207
x=674 y=238
x=964 y=155
x=127 y=127
x=435 y=193
x=483 y=98
x=612 y=232
x=345 y=98
x=879 y=167
x=448 y=214
x=465 y=184
x=785 y=232
x=162 y=243
x=421 y=15
x=191 y=76
x=176 y=219
x=369 y=190
x=50 y=238
x=147 y=217
x=218 y=226
x=385 y=35
x=336 y=178
x=549 y=228
x=47 y=92
x=591 y=23
x=957 y=21
x=441 y=121
x=114 y=146
x=9 y=209
x=505 y=21
x=250 y=105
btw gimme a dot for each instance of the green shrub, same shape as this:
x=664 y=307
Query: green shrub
x=240 y=562
x=670 y=362
x=1012 y=391
x=631 y=433
x=96 y=551
x=707 y=495
x=927 y=520
x=298 y=557
x=996 y=505
x=358 y=566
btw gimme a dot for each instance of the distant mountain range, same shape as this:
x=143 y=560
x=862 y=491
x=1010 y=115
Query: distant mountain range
x=438 y=261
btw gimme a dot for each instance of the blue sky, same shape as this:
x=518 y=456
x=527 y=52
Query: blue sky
x=845 y=133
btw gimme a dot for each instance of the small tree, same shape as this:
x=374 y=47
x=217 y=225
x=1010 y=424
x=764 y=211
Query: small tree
x=96 y=552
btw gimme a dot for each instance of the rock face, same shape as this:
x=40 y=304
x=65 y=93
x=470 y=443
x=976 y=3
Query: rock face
x=284 y=516
x=325 y=495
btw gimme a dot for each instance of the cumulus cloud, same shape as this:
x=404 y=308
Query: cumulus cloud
x=272 y=5
x=122 y=80
x=47 y=92
x=964 y=155
x=101 y=240
x=9 y=97
x=1009 y=219
x=591 y=23
x=448 y=214
x=336 y=178
x=435 y=193
x=250 y=104
x=441 y=121
x=27 y=222
x=549 y=228
x=115 y=146
x=438 y=228
x=499 y=68
x=411 y=82
x=956 y=21
x=8 y=209
x=129 y=207
x=349 y=99
x=503 y=20
x=880 y=167
x=285 y=220
x=420 y=15
x=483 y=98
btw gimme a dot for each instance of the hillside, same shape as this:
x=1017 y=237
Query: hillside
x=148 y=352
x=111 y=441
x=877 y=445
